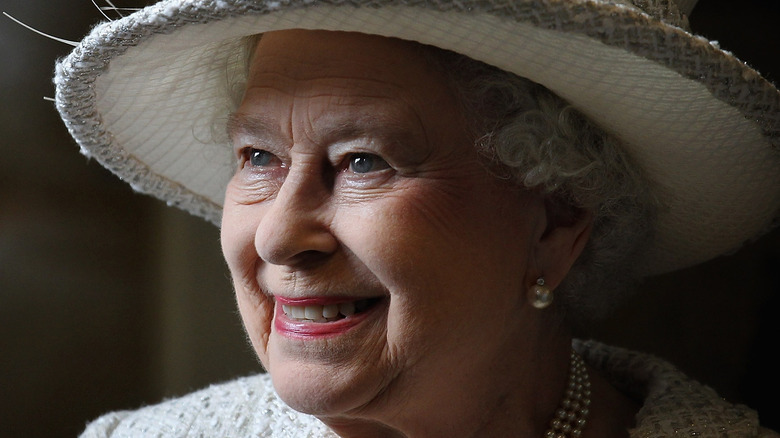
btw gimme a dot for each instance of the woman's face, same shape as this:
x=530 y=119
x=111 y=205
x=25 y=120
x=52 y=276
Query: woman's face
x=377 y=264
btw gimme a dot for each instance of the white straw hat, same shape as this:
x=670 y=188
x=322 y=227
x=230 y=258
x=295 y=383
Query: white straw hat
x=147 y=96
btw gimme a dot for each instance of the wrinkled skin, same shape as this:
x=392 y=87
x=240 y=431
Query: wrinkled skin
x=356 y=179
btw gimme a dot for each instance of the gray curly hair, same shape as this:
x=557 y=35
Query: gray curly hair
x=528 y=134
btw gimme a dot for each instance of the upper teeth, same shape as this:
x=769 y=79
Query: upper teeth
x=319 y=313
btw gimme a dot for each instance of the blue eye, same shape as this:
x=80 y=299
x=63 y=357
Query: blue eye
x=259 y=157
x=364 y=163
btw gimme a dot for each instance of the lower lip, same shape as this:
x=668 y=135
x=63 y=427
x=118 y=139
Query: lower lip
x=293 y=328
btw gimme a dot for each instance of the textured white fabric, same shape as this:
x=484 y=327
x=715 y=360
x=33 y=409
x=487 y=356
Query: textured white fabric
x=674 y=406
x=147 y=96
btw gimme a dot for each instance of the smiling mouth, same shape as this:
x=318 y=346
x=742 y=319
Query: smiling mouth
x=328 y=312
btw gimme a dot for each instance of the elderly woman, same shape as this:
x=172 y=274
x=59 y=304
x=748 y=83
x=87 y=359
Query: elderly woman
x=413 y=224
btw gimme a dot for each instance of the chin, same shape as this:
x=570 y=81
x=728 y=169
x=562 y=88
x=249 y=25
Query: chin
x=321 y=394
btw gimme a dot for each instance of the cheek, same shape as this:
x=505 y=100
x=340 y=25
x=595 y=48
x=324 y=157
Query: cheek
x=408 y=239
x=237 y=240
x=442 y=216
x=427 y=236
x=433 y=207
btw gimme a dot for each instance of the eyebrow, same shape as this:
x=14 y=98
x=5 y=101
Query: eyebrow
x=254 y=125
x=265 y=129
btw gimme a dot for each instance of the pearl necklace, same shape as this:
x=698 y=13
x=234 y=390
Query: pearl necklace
x=572 y=414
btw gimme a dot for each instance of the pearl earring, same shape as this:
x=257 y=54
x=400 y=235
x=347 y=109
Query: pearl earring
x=540 y=295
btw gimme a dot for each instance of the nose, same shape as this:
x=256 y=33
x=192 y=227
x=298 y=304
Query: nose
x=295 y=230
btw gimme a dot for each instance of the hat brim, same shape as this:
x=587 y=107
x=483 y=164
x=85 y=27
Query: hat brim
x=147 y=96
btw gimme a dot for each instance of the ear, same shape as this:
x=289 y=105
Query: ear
x=567 y=231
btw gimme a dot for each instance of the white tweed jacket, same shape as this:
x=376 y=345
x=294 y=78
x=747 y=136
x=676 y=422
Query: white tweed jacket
x=674 y=406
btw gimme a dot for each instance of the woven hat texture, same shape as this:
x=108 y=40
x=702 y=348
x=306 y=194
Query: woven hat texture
x=148 y=96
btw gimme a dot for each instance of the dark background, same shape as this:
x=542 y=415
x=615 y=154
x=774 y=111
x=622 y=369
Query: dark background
x=110 y=300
